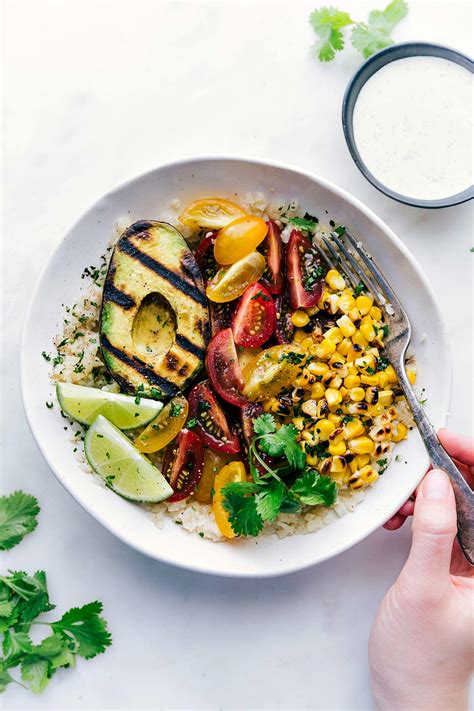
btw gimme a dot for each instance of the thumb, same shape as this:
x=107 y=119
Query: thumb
x=434 y=528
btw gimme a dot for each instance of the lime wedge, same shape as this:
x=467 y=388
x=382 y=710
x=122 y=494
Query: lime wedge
x=85 y=404
x=125 y=470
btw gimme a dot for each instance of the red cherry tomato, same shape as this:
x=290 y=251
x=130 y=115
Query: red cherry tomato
x=304 y=271
x=204 y=256
x=221 y=316
x=223 y=368
x=183 y=464
x=254 y=319
x=273 y=278
x=284 y=329
x=211 y=423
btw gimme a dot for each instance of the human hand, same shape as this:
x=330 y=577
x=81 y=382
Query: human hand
x=421 y=646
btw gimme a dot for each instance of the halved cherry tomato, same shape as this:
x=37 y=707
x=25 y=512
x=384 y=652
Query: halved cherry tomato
x=233 y=472
x=254 y=319
x=213 y=463
x=272 y=371
x=211 y=422
x=230 y=282
x=204 y=256
x=211 y=213
x=165 y=427
x=183 y=464
x=247 y=415
x=220 y=316
x=304 y=270
x=239 y=238
x=223 y=368
x=272 y=249
x=284 y=328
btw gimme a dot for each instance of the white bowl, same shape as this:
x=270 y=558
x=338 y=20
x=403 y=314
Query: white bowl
x=149 y=197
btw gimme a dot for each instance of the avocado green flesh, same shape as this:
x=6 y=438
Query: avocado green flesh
x=154 y=318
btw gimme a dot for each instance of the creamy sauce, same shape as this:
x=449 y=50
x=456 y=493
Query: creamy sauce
x=413 y=127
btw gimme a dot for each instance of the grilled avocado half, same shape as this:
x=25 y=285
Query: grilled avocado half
x=154 y=323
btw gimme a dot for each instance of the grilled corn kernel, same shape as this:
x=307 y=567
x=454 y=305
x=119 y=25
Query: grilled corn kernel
x=335 y=280
x=318 y=368
x=365 y=472
x=337 y=361
x=323 y=429
x=310 y=407
x=354 y=428
x=375 y=410
x=362 y=460
x=306 y=436
x=346 y=302
x=334 y=334
x=336 y=382
x=317 y=391
x=367 y=328
x=353 y=466
x=337 y=448
x=312 y=460
x=344 y=345
x=400 y=432
x=356 y=394
x=306 y=343
x=383 y=380
x=351 y=381
x=391 y=374
x=325 y=348
x=369 y=379
x=299 y=336
x=333 y=397
x=364 y=303
x=299 y=319
x=335 y=418
x=372 y=478
x=357 y=484
x=411 y=374
x=359 y=340
x=338 y=464
x=386 y=397
x=302 y=380
x=372 y=395
x=376 y=313
x=354 y=314
x=361 y=445
x=298 y=422
x=268 y=404
x=346 y=326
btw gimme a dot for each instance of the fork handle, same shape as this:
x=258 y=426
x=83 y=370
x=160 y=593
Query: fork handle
x=441 y=460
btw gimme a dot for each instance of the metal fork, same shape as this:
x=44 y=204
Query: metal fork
x=359 y=267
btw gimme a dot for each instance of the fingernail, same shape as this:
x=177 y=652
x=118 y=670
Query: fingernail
x=436 y=485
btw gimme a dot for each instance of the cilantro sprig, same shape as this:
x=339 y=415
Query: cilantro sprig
x=251 y=504
x=18 y=517
x=366 y=37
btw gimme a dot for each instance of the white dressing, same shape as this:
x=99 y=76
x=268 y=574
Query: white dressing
x=413 y=127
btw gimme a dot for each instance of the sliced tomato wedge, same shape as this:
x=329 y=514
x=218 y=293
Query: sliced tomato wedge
x=304 y=270
x=204 y=256
x=284 y=329
x=211 y=423
x=223 y=368
x=183 y=464
x=221 y=316
x=254 y=319
x=273 y=278
x=247 y=415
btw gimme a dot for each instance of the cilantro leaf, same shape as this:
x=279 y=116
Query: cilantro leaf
x=5 y=676
x=283 y=442
x=28 y=594
x=36 y=672
x=272 y=444
x=264 y=424
x=369 y=40
x=312 y=489
x=268 y=501
x=85 y=626
x=243 y=515
x=303 y=223
x=387 y=19
x=15 y=643
x=18 y=513
x=327 y=23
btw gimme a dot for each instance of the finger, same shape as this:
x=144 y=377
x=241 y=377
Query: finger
x=459 y=564
x=434 y=528
x=407 y=508
x=457 y=446
x=395 y=522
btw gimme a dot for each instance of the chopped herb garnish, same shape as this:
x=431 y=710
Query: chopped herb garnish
x=383 y=464
x=303 y=223
x=49 y=405
x=46 y=356
x=191 y=423
x=260 y=295
x=175 y=409
x=361 y=287
x=292 y=357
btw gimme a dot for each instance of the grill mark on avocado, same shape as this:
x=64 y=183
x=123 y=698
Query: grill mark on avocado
x=186 y=345
x=111 y=293
x=167 y=387
x=176 y=281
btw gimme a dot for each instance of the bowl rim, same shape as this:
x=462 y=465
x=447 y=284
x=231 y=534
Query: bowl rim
x=372 y=65
x=342 y=194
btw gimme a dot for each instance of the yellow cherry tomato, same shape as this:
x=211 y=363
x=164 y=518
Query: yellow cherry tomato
x=211 y=213
x=213 y=463
x=165 y=427
x=239 y=238
x=273 y=370
x=230 y=282
x=235 y=471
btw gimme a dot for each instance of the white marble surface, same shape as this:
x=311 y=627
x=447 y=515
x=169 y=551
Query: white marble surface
x=95 y=93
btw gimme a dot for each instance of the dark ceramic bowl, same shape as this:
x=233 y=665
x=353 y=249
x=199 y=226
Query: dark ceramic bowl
x=372 y=65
